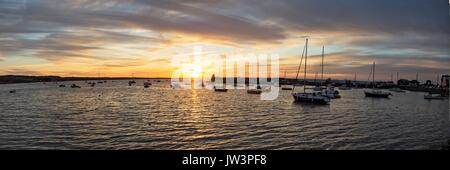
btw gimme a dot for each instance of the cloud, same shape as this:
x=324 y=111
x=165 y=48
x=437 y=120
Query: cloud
x=121 y=33
x=167 y=16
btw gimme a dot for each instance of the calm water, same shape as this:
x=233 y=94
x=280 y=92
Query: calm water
x=115 y=116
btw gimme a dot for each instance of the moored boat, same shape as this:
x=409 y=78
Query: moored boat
x=313 y=98
x=254 y=91
x=74 y=86
x=308 y=97
x=286 y=88
x=331 y=93
x=435 y=97
x=130 y=83
x=220 y=89
x=396 y=89
x=318 y=88
x=345 y=88
x=147 y=84
x=376 y=93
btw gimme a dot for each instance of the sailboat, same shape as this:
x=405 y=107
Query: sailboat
x=99 y=81
x=147 y=84
x=373 y=92
x=131 y=82
x=319 y=87
x=203 y=80
x=355 y=83
x=213 y=79
x=316 y=87
x=304 y=97
x=285 y=87
x=329 y=91
x=347 y=86
x=257 y=90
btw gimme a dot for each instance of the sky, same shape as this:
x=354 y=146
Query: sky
x=138 y=38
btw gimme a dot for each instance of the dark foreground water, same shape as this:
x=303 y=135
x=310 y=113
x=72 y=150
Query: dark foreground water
x=115 y=116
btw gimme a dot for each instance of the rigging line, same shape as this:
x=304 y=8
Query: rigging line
x=368 y=78
x=299 y=67
x=301 y=61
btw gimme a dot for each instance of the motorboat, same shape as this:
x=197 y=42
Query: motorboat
x=331 y=93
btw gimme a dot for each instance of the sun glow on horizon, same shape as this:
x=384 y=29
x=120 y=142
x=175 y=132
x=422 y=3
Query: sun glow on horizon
x=196 y=71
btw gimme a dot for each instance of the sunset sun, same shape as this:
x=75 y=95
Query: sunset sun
x=196 y=71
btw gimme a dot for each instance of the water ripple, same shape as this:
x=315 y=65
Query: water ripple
x=115 y=116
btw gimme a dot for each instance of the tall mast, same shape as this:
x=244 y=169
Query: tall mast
x=373 y=75
x=437 y=79
x=203 y=78
x=306 y=58
x=397 y=77
x=315 y=79
x=392 y=77
x=323 y=53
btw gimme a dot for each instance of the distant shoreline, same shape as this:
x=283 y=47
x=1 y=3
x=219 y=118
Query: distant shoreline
x=13 y=79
